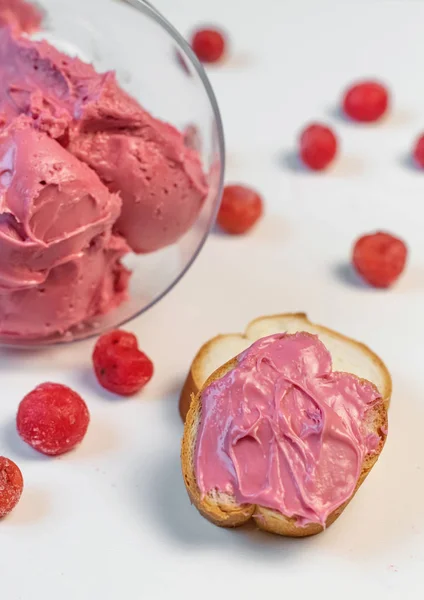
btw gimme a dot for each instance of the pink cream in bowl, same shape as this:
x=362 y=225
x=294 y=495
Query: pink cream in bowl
x=87 y=175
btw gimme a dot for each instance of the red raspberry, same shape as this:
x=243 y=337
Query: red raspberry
x=52 y=419
x=379 y=258
x=209 y=45
x=419 y=152
x=119 y=365
x=240 y=209
x=366 y=101
x=318 y=146
x=11 y=486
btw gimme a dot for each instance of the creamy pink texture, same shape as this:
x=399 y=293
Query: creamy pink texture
x=59 y=261
x=86 y=174
x=283 y=431
x=159 y=179
x=21 y=16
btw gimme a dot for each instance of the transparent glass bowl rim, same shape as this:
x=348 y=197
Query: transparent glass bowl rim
x=151 y=12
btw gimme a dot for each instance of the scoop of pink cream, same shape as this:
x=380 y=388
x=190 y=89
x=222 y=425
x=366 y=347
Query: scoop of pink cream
x=59 y=260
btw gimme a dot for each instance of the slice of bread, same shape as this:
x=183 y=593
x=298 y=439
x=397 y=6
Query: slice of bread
x=347 y=355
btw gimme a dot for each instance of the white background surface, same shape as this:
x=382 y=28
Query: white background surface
x=112 y=520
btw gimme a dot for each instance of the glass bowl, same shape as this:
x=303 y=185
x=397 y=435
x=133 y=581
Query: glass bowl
x=156 y=66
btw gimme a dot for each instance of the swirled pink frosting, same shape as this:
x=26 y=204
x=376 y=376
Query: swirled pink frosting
x=284 y=431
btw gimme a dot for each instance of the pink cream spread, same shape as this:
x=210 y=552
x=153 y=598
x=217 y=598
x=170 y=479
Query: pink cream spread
x=283 y=431
x=86 y=175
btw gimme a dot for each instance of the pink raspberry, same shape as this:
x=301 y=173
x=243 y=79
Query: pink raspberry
x=11 y=485
x=52 y=419
x=318 y=146
x=119 y=365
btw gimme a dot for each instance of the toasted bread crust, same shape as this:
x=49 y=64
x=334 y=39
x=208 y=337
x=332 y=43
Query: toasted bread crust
x=186 y=394
x=223 y=515
x=224 y=511
x=193 y=382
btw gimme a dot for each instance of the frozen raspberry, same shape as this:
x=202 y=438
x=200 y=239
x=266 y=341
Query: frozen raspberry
x=366 y=101
x=240 y=209
x=208 y=45
x=11 y=486
x=119 y=365
x=379 y=258
x=419 y=152
x=52 y=419
x=318 y=146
